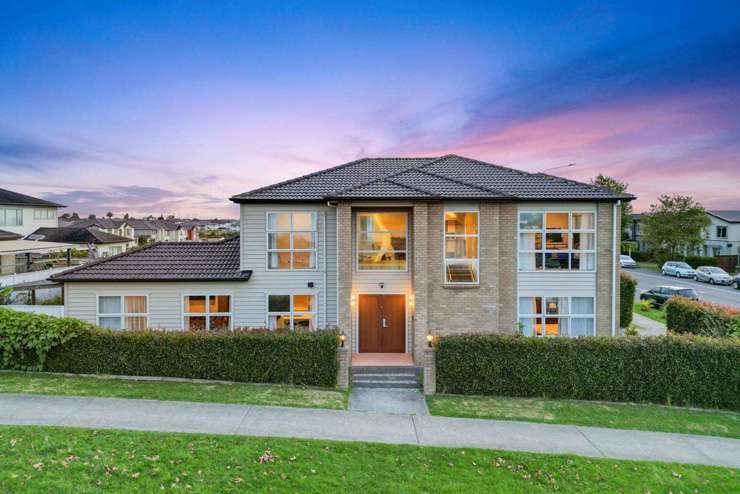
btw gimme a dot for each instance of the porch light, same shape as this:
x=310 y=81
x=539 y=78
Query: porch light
x=352 y=300
x=411 y=300
x=430 y=340
x=342 y=339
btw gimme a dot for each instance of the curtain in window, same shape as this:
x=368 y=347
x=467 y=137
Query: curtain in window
x=582 y=305
x=135 y=304
x=581 y=326
x=109 y=305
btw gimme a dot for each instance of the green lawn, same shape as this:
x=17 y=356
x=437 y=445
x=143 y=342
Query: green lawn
x=654 y=314
x=251 y=394
x=597 y=414
x=45 y=459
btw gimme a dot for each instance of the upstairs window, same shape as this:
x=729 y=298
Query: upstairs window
x=461 y=247
x=291 y=240
x=123 y=312
x=557 y=241
x=11 y=217
x=207 y=312
x=381 y=241
x=291 y=312
x=44 y=214
x=721 y=232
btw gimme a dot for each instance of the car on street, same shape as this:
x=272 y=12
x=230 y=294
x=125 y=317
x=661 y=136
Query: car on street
x=713 y=275
x=737 y=281
x=660 y=294
x=626 y=261
x=679 y=269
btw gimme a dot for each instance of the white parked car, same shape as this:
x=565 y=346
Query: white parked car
x=626 y=261
x=679 y=269
x=713 y=275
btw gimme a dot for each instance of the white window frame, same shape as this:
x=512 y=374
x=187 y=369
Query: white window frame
x=544 y=231
x=292 y=250
x=723 y=229
x=207 y=314
x=44 y=213
x=123 y=314
x=358 y=230
x=445 y=235
x=4 y=216
x=544 y=315
x=292 y=312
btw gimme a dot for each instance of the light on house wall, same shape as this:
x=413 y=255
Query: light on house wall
x=430 y=340
x=352 y=300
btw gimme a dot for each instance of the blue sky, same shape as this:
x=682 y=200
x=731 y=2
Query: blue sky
x=149 y=107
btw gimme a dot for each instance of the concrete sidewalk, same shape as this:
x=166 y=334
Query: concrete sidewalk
x=172 y=416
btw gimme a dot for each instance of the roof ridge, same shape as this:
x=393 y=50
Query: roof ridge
x=295 y=179
x=412 y=187
x=385 y=177
x=467 y=184
x=492 y=165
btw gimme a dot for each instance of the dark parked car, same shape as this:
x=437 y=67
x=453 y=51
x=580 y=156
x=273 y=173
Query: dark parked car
x=660 y=294
x=737 y=281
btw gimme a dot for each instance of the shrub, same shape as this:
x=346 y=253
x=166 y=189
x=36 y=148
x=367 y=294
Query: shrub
x=641 y=256
x=26 y=338
x=684 y=316
x=696 y=261
x=627 y=286
x=37 y=342
x=695 y=371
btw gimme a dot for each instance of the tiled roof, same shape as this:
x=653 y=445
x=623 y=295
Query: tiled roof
x=728 y=216
x=5 y=235
x=106 y=223
x=74 y=235
x=446 y=177
x=171 y=261
x=8 y=197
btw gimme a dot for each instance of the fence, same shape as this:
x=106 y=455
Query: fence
x=728 y=263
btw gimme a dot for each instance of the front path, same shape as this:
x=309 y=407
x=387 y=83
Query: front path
x=168 y=416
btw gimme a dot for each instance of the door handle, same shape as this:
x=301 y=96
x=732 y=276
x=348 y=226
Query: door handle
x=385 y=324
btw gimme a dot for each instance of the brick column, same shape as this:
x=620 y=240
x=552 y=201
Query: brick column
x=420 y=326
x=507 y=290
x=343 y=354
x=344 y=251
x=605 y=256
x=430 y=371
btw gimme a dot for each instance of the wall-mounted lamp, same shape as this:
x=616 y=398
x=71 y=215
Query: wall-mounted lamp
x=352 y=300
x=411 y=300
x=430 y=340
x=382 y=285
x=342 y=339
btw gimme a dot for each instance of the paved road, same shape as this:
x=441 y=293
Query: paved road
x=647 y=279
x=170 y=416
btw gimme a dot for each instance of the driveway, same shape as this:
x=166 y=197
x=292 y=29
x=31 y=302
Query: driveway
x=647 y=279
x=212 y=418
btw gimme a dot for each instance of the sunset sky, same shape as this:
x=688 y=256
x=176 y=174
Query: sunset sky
x=171 y=107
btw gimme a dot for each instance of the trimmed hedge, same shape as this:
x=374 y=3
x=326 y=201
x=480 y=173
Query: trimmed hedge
x=684 y=316
x=674 y=370
x=244 y=356
x=627 y=287
x=696 y=261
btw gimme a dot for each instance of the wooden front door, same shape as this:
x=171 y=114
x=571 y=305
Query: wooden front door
x=382 y=323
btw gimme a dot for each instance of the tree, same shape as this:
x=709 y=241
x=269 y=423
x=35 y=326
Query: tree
x=126 y=216
x=75 y=216
x=66 y=216
x=615 y=185
x=674 y=226
x=91 y=216
x=109 y=214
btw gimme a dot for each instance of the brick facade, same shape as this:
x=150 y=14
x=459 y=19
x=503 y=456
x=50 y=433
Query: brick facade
x=605 y=258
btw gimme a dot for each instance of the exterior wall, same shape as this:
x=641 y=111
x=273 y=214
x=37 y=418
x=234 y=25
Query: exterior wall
x=165 y=299
x=107 y=250
x=714 y=245
x=263 y=281
x=606 y=259
x=30 y=224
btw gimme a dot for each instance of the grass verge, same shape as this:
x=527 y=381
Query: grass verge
x=247 y=394
x=654 y=314
x=44 y=459
x=597 y=414
x=647 y=265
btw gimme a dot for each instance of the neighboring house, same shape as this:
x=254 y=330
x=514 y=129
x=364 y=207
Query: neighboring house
x=191 y=230
x=722 y=237
x=147 y=231
x=114 y=226
x=723 y=234
x=97 y=242
x=22 y=214
x=389 y=250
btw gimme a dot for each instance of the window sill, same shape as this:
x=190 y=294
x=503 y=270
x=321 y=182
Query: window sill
x=460 y=286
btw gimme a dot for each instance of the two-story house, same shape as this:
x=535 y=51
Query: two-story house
x=389 y=251
x=21 y=214
x=723 y=234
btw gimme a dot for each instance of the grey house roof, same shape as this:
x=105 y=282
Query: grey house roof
x=10 y=198
x=171 y=261
x=446 y=177
x=728 y=216
x=105 y=223
x=6 y=235
x=74 y=235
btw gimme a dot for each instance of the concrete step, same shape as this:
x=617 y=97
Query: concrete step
x=387 y=377
x=370 y=383
x=379 y=369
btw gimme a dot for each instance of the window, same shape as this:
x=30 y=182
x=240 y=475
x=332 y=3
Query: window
x=291 y=240
x=11 y=217
x=291 y=312
x=44 y=214
x=123 y=312
x=461 y=247
x=721 y=232
x=207 y=312
x=557 y=241
x=381 y=241
x=557 y=316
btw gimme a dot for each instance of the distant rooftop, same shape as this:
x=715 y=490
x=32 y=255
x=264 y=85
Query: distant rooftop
x=74 y=235
x=446 y=177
